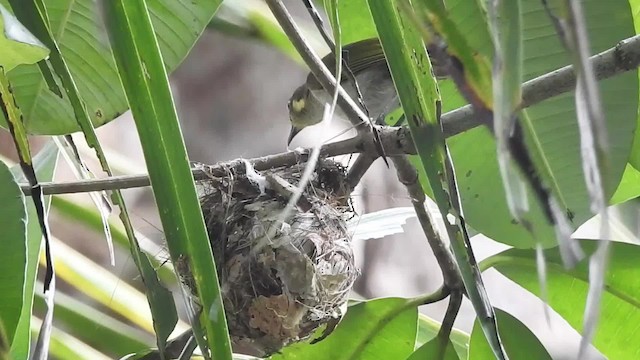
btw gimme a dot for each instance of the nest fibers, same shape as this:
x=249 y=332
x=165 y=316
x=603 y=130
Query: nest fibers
x=281 y=277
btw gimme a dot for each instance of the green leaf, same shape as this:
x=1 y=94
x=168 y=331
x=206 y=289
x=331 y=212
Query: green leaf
x=13 y=257
x=90 y=217
x=77 y=27
x=518 y=340
x=432 y=350
x=375 y=329
x=629 y=186
x=428 y=329
x=103 y=332
x=634 y=159
x=553 y=128
x=66 y=347
x=567 y=291
x=359 y=25
x=18 y=45
x=44 y=164
x=145 y=81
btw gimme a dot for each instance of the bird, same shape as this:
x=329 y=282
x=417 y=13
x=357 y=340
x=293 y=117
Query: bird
x=366 y=61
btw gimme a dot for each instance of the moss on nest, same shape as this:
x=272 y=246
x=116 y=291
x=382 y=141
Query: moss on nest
x=280 y=280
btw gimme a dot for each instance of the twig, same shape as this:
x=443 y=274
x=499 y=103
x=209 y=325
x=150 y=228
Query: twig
x=621 y=58
x=359 y=168
x=408 y=176
x=354 y=113
x=455 y=301
x=396 y=140
x=318 y=69
x=317 y=19
x=427 y=299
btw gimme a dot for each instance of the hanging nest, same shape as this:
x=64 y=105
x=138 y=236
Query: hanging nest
x=281 y=277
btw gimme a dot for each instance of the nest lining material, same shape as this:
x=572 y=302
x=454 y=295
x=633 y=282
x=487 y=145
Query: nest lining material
x=281 y=280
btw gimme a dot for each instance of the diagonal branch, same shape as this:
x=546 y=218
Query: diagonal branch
x=625 y=56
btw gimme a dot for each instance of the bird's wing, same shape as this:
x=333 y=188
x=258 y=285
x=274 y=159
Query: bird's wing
x=359 y=56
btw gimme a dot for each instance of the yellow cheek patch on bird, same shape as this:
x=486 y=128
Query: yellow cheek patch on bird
x=297 y=105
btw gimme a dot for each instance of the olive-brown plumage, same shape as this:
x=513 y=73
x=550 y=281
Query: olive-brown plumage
x=368 y=64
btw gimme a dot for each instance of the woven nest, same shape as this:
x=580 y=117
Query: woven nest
x=281 y=278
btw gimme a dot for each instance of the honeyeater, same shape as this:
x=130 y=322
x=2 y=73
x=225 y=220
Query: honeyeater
x=367 y=63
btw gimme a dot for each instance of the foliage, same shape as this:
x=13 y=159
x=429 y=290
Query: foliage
x=105 y=60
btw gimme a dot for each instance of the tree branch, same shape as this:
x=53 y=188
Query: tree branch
x=625 y=56
x=396 y=140
x=408 y=176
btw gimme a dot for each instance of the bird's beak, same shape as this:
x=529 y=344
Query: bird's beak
x=294 y=131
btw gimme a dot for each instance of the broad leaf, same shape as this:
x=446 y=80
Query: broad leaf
x=78 y=28
x=567 y=292
x=553 y=129
x=519 y=341
x=376 y=329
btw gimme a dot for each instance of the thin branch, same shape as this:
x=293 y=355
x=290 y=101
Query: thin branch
x=408 y=176
x=427 y=299
x=318 y=69
x=359 y=168
x=396 y=140
x=317 y=19
x=625 y=56
x=455 y=301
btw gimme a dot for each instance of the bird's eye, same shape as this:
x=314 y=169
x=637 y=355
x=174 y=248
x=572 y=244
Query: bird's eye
x=297 y=105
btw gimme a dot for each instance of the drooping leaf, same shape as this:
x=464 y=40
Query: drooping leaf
x=552 y=128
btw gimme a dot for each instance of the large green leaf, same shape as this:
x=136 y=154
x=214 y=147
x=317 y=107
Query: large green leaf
x=45 y=164
x=13 y=253
x=77 y=27
x=18 y=45
x=518 y=340
x=376 y=329
x=567 y=292
x=553 y=128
